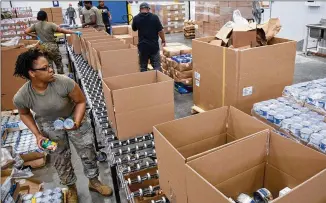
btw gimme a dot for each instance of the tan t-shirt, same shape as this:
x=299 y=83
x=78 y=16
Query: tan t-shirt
x=45 y=31
x=50 y=105
x=93 y=11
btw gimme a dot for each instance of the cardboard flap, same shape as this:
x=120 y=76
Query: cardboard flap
x=246 y=182
x=232 y=160
x=194 y=128
x=312 y=191
x=109 y=104
x=241 y=124
x=293 y=158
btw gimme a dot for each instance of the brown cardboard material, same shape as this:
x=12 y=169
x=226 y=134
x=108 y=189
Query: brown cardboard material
x=9 y=83
x=138 y=101
x=136 y=40
x=131 y=32
x=180 y=141
x=84 y=39
x=246 y=77
x=56 y=10
x=57 y=15
x=127 y=38
x=120 y=30
x=114 y=63
x=263 y=160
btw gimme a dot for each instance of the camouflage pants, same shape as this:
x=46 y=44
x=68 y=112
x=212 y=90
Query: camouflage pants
x=53 y=55
x=82 y=139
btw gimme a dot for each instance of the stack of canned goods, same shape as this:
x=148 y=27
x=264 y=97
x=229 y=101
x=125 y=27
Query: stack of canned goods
x=48 y=196
x=312 y=93
x=13 y=121
x=26 y=142
x=11 y=139
x=305 y=125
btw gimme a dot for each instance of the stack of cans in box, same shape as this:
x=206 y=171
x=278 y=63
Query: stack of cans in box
x=4 y=121
x=299 y=122
x=21 y=141
x=53 y=196
x=311 y=94
x=184 y=58
x=13 y=121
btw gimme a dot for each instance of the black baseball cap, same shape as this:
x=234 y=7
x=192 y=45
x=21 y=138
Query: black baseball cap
x=144 y=5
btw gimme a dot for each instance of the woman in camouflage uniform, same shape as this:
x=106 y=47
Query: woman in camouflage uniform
x=45 y=33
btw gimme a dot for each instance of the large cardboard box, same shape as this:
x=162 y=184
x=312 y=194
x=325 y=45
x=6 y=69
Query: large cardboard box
x=241 y=77
x=56 y=10
x=9 y=83
x=180 y=141
x=261 y=161
x=76 y=41
x=117 y=60
x=85 y=38
x=131 y=32
x=127 y=38
x=120 y=30
x=138 y=101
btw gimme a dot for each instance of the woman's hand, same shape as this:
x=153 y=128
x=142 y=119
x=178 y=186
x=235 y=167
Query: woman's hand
x=39 y=139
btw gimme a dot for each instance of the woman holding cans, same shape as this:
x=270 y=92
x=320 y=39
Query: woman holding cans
x=51 y=96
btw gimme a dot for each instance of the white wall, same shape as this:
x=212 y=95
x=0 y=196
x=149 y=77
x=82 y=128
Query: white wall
x=295 y=15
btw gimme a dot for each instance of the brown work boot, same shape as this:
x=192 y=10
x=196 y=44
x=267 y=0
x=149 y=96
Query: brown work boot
x=96 y=186
x=72 y=196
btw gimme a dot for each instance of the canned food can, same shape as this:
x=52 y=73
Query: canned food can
x=27 y=197
x=315 y=139
x=288 y=114
x=270 y=115
x=48 y=144
x=304 y=109
x=39 y=200
x=295 y=129
x=322 y=145
x=57 y=190
x=244 y=198
x=69 y=123
x=305 y=134
x=263 y=195
x=286 y=124
x=257 y=108
x=296 y=112
x=273 y=106
x=315 y=128
x=297 y=119
x=305 y=124
x=278 y=118
x=47 y=192
x=264 y=111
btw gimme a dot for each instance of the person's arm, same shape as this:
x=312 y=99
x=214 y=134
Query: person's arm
x=109 y=14
x=162 y=36
x=160 y=30
x=29 y=31
x=64 y=31
x=77 y=96
x=27 y=118
x=134 y=24
x=75 y=14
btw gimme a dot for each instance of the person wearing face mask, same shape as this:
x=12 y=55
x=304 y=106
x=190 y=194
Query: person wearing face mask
x=149 y=29
x=51 y=96
x=71 y=14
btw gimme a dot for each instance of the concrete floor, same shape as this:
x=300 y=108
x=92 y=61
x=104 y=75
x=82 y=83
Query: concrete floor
x=307 y=68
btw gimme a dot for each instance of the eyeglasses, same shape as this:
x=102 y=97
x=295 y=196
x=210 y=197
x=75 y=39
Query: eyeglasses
x=43 y=69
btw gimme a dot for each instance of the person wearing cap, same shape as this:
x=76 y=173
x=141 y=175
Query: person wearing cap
x=71 y=14
x=44 y=31
x=149 y=29
x=92 y=17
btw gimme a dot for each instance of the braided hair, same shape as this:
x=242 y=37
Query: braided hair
x=25 y=62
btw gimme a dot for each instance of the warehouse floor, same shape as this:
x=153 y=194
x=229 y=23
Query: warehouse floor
x=307 y=68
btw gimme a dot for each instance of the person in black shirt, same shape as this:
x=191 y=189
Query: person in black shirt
x=106 y=15
x=149 y=29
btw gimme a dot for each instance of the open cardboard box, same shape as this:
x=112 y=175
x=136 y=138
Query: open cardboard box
x=138 y=101
x=117 y=60
x=97 y=48
x=127 y=38
x=95 y=35
x=269 y=161
x=180 y=141
x=240 y=77
x=9 y=83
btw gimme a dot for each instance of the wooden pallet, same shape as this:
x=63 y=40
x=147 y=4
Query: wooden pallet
x=195 y=109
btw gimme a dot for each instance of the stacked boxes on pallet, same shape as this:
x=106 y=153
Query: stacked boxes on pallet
x=54 y=14
x=172 y=15
x=211 y=16
x=126 y=33
x=189 y=29
x=177 y=62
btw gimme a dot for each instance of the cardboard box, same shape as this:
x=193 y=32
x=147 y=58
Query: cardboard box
x=261 y=161
x=127 y=38
x=246 y=77
x=180 y=141
x=138 y=101
x=96 y=35
x=56 y=10
x=9 y=83
x=47 y=10
x=57 y=15
x=76 y=41
x=120 y=30
x=50 y=18
x=244 y=38
x=114 y=63
x=131 y=32
x=136 y=40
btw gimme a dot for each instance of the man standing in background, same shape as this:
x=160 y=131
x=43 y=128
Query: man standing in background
x=106 y=15
x=71 y=13
x=92 y=16
x=149 y=29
